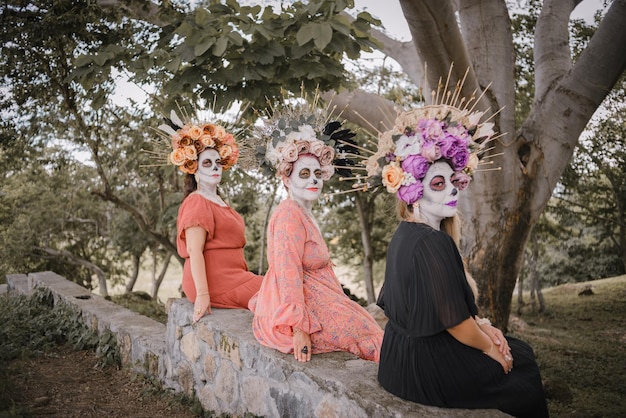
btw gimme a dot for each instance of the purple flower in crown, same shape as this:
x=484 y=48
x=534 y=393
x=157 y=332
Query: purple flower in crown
x=390 y=156
x=460 y=159
x=411 y=193
x=416 y=165
x=432 y=129
x=451 y=145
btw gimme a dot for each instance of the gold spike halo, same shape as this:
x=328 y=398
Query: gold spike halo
x=450 y=129
x=294 y=127
x=182 y=138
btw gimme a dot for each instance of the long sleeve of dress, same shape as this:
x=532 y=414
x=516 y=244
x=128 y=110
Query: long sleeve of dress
x=286 y=242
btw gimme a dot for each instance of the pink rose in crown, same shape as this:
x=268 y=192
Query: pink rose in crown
x=316 y=147
x=431 y=151
x=284 y=169
x=461 y=180
x=304 y=146
x=457 y=131
x=290 y=153
x=327 y=155
x=432 y=129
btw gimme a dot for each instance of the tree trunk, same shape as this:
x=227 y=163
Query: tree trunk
x=520 y=296
x=501 y=207
x=156 y=284
x=364 y=210
x=136 y=260
x=532 y=269
x=266 y=220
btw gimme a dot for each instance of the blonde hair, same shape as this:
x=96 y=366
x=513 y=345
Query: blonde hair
x=451 y=226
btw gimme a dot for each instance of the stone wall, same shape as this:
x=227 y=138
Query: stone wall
x=219 y=361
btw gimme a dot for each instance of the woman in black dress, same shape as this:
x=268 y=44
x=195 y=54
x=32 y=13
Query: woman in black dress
x=436 y=351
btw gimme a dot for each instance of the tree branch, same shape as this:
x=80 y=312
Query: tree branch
x=551 y=53
x=102 y=280
x=370 y=111
x=403 y=53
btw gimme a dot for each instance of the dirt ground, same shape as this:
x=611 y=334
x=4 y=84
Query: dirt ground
x=68 y=384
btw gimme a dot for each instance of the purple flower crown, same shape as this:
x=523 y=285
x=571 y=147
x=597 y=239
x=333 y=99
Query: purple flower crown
x=418 y=139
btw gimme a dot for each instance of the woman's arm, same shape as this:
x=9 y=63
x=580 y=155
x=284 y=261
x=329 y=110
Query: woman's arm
x=196 y=238
x=469 y=333
x=495 y=334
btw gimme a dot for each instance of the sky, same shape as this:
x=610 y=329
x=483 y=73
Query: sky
x=390 y=14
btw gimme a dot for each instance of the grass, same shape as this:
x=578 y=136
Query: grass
x=580 y=342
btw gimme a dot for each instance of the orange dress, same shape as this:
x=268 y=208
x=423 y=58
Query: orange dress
x=300 y=290
x=230 y=283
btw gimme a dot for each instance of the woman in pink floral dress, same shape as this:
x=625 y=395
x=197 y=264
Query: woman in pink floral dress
x=301 y=307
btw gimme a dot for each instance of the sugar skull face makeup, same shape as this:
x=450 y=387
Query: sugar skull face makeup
x=440 y=192
x=209 y=168
x=305 y=181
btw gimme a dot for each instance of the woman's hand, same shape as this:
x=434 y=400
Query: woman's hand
x=202 y=306
x=301 y=345
x=485 y=338
x=505 y=360
x=497 y=337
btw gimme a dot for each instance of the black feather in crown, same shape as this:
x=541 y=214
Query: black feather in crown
x=345 y=147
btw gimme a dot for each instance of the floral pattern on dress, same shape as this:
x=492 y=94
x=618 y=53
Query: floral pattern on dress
x=300 y=290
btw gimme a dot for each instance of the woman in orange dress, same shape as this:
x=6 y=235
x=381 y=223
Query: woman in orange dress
x=210 y=234
x=301 y=307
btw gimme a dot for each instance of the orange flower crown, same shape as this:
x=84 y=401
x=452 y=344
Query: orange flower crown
x=189 y=139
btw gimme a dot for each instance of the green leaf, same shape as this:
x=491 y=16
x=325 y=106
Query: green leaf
x=305 y=34
x=184 y=30
x=340 y=24
x=220 y=46
x=102 y=58
x=83 y=60
x=275 y=49
x=98 y=100
x=203 y=45
x=263 y=32
x=323 y=35
x=369 y=18
x=235 y=38
x=202 y=17
x=174 y=64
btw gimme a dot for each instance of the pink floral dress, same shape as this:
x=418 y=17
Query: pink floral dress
x=301 y=290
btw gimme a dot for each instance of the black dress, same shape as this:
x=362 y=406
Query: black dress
x=425 y=293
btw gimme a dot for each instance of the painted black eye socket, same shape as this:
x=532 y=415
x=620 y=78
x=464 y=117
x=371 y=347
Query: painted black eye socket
x=438 y=183
x=305 y=173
